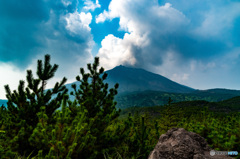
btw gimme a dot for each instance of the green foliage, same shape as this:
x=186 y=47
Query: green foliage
x=220 y=131
x=168 y=118
x=64 y=139
x=153 y=98
x=24 y=104
x=141 y=138
x=94 y=96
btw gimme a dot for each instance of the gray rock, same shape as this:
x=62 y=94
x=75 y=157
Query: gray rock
x=178 y=143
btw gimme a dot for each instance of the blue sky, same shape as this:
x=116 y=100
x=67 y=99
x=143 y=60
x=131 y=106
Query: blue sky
x=195 y=43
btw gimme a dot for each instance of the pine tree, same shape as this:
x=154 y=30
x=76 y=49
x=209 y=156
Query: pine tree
x=24 y=104
x=94 y=96
x=170 y=101
x=169 y=117
x=138 y=139
x=2 y=132
x=64 y=139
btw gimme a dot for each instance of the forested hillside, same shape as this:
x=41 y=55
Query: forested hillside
x=152 y=98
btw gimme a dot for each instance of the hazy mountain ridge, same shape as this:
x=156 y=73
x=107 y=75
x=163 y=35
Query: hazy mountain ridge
x=225 y=106
x=153 y=98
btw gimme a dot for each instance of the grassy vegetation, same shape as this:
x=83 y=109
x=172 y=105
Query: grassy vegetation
x=152 y=98
x=219 y=128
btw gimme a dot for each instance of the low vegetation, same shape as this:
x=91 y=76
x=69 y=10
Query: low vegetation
x=40 y=123
x=152 y=98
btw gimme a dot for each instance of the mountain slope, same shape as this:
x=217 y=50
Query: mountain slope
x=135 y=79
x=153 y=98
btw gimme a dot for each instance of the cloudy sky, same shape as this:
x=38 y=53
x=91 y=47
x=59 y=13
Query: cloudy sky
x=195 y=43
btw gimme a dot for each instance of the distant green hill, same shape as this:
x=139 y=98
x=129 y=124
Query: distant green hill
x=233 y=103
x=153 y=98
x=227 y=106
x=217 y=93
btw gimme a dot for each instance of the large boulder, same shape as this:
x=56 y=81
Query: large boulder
x=178 y=143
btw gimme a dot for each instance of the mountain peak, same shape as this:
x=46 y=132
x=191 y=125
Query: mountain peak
x=121 y=66
x=133 y=79
x=128 y=68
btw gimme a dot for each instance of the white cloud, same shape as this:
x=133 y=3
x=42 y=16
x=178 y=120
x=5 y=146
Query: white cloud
x=144 y=27
x=115 y=51
x=10 y=75
x=141 y=16
x=102 y=17
x=218 y=19
x=78 y=22
x=89 y=5
x=180 y=77
x=69 y=42
x=66 y=2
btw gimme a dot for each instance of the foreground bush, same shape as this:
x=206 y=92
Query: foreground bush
x=23 y=105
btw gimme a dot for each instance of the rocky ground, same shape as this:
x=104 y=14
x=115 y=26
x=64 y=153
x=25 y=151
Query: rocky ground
x=178 y=143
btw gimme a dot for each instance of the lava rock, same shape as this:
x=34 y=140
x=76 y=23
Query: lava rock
x=178 y=143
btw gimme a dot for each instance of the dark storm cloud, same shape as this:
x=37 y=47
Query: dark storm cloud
x=29 y=28
x=19 y=23
x=188 y=46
